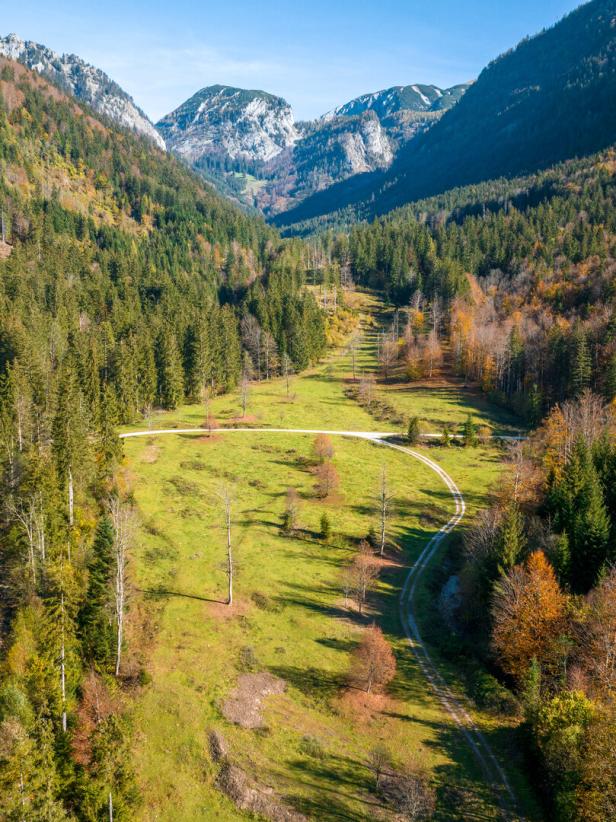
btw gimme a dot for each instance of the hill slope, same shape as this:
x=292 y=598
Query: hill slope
x=549 y=99
x=87 y=83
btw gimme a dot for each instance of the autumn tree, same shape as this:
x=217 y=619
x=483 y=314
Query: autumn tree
x=327 y=480
x=323 y=448
x=527 y=615
x=361 y=575
x=374 y=664
x=291 y=511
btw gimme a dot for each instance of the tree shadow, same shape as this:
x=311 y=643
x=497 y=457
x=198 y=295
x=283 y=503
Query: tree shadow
x=161 y=593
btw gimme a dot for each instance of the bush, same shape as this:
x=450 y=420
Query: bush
x=490 y=695
x=310 y=746
x=247 y=659
x=326 y=529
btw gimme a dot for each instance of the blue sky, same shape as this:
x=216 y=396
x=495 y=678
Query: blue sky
x=316 y=54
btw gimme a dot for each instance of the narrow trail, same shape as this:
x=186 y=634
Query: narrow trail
x=453 y=705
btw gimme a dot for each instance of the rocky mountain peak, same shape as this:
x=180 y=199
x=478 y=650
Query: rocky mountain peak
x=87 y=83
x=241 y=124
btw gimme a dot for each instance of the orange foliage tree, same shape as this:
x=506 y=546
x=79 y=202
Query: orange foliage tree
x=374 y=664
x=528 y=610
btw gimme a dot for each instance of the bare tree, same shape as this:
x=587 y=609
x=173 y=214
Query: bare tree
x=206 y=394
x=269 y=353
x=244 y=391
x=291 y=511
x=366 y=390
x=362 y=575
x=384 y=501
x=227 y=506
x=353 y=346
x=411 y=793
x=122 y=520
x=71 y=498
x=62 y=663
x=30 y=517
x=287 y=370
x=433 y=355
x=388 y=354
x=379 y=762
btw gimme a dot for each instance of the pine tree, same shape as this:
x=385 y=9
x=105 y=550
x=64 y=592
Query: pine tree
x=511 y=541
x=414 y=431
x=96 y=615
x=169 y=367
x=581 y=370
x=577 y=504
x=470 y=432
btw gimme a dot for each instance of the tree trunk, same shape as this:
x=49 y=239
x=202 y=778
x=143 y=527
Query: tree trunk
x=229 y=552
x=70 y=498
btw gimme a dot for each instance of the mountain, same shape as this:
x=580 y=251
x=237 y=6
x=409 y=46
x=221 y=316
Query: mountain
x=87 y=83
x=551 y=98
x=249 y=145
x=402 y=98
x=224 y=122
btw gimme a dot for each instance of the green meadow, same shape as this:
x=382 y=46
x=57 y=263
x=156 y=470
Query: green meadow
x=289 y=616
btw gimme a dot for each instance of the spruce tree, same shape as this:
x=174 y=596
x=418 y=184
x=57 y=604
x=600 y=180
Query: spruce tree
x=96 y=615
x=414 y=431
x=581 y=367
x=511 y=541
x=169 y=367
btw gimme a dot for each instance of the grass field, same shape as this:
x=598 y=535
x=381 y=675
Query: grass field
x=289 y=617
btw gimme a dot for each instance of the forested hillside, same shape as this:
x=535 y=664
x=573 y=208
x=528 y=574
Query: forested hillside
x=547 y=100
x=519 y=274
x=124 y=284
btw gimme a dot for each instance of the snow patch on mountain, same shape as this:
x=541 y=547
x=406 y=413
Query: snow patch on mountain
x=85 y=82
x=239 y=124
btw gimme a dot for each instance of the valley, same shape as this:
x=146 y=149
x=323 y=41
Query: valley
x=289 y=616
x=308 y=420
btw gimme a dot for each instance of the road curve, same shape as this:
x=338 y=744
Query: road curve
x=453 y=705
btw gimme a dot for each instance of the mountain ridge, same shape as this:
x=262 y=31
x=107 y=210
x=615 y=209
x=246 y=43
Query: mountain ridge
x=537 y=104
x=84 y=81
x=231 y=134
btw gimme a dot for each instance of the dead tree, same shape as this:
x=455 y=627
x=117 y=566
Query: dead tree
x=62 y=664
x=287 y=370
x=227 y=504
x=385 y=499
x=122 y=522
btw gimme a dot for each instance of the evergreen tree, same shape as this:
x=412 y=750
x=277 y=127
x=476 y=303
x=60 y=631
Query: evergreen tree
x=470 y=432
x=511 y=541
x=414 y=431
x=581 y=367
x=96 y=615
x=577 y=504
x=169 y=367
